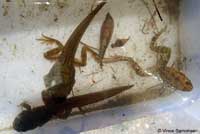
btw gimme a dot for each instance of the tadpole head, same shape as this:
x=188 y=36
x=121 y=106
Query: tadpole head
x=23 y=122
x=30 y=119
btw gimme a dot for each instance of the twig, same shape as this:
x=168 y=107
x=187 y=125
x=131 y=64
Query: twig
x=92 y=73
x=94 y=84
x=157 y=10
x=151 y=15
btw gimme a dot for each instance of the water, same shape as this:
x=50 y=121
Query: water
x=23 y=65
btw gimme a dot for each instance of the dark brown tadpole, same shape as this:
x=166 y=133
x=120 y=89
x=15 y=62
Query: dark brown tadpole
x=120 y=42
x=157 y=10
x=32 y=118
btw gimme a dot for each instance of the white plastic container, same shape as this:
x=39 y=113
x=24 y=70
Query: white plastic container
x=23 y=66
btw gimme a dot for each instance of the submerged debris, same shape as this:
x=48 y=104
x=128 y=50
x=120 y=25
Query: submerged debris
x=120 y=42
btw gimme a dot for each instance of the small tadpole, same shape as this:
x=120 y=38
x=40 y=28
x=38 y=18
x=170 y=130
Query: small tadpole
x=158 y=12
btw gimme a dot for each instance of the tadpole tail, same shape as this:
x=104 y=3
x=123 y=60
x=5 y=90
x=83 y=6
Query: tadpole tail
x=82 y=100
x=72 y=44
